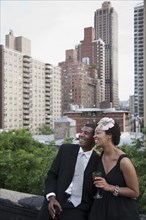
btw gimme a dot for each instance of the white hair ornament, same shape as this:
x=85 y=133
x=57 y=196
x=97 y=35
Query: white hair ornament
x=105 y=123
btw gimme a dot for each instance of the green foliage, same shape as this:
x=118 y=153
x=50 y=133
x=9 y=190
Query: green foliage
x=93 y=66
x=68 y=140
x=44 y=129
x=144 y=130
x=137 y=154
x=24 y=162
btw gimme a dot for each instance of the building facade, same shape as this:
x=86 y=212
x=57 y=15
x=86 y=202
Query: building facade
x=106 y=28
x=92 y=52
x=90 y=115
x=56 y=94
x=30 y=90
x=131 y=104
x=139 y=61
x=145 y=64
x=20 y=43
x=80 y=84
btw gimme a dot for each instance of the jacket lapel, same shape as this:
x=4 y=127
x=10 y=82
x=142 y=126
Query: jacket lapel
x=91 y=164
x=74 y=155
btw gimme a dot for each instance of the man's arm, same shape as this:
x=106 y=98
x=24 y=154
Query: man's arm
x=52 y=175
x=51 y=185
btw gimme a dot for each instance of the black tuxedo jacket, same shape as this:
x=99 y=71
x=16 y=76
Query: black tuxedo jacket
x=61 y=173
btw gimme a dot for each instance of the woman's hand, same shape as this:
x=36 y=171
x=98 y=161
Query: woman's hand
x=101 y=183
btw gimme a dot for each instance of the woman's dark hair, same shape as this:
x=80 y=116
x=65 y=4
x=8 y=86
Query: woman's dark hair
x=115 y=133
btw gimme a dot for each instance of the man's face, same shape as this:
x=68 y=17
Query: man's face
x=86 y=139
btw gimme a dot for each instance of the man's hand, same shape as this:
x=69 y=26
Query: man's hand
x=52 y=204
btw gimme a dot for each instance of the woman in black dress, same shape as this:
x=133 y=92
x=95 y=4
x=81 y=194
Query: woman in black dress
x=118 y=186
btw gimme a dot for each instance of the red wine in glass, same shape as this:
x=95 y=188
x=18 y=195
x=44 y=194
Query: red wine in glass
x=57 y=211
x=97 y=174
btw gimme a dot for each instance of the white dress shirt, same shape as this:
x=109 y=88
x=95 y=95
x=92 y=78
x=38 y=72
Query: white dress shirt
x=87 y=155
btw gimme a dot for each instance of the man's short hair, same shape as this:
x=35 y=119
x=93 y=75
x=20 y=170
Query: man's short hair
x=93 y=126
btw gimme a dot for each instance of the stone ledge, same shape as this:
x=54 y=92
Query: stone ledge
x=22 y=199
x=142 y=217
x=22 y=206
x=19 y=206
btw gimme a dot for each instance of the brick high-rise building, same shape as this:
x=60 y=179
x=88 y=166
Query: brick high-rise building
x=79 y=88
x=92 y=52
x=106 y=28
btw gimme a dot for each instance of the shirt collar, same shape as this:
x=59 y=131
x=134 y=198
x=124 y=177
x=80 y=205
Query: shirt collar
x=87 y=153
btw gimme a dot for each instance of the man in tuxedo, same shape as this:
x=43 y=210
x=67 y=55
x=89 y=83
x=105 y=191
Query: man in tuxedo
x=60 y=187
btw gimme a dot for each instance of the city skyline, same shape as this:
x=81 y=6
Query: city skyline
x=56 y=26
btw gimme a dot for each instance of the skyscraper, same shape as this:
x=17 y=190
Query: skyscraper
x=145 y=64
x=30 y=90
x=106 y=28
x=92 y=52
x=139 y=60
x=79 y=88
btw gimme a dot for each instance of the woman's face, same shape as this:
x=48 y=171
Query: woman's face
x=101 y=138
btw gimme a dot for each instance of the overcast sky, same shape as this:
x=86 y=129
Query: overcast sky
x=56 y=26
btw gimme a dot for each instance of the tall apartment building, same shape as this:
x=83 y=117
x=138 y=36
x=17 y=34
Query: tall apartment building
x=145 y=64
x=106 y=28
x=56 y=94
x=92 y=52
x=139 y=60
x=79 y=87
x=27 y=86
x=20 y=43
x=131 y=104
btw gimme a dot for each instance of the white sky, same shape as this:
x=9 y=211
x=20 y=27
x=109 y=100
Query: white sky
x=56 y=26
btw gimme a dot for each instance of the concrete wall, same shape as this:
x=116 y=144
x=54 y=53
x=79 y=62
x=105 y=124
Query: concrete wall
x=22 y=206
x=19 y=206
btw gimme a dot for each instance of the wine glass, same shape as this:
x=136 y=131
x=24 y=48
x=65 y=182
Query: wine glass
x=57 y=211
x=97 y=174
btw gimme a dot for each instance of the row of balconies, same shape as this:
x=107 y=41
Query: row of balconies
x=47 y=81
x=48 y=72
x=26 y=71
x=26 y=117
x=48 y=66
x=26 y=86
x=26 y=80
x=28 y=65
x=47 y=98
x=26 y=96
x=27 y=57
x=26 y=91
x=26 y=101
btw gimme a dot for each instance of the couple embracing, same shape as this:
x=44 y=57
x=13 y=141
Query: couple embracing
x=71 y=193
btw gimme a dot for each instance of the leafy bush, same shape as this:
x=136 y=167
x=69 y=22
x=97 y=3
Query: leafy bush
x=44 y=129
x=68 y=140
x=137 y=154
x=24 y=162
